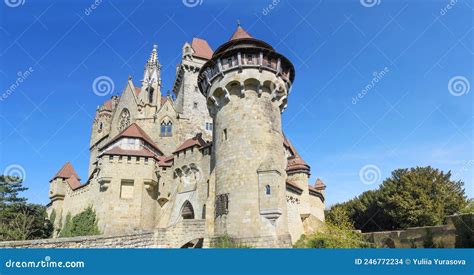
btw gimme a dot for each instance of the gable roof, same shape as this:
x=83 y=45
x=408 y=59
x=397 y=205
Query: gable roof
x=239 y=34
x=201 y=48
x=194 y=141
x=66 y=172
x=134 y=131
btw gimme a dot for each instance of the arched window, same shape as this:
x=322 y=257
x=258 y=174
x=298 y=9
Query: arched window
x=267 y=190
x=166 y=129
x=124 y=119
x=187 y=211
x=100 y=127
x=150 y=94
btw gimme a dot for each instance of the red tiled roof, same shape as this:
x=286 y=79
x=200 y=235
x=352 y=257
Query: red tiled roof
x=195 y=141
x=201 y=48
x=74 y=183
x=318 y=185
x=239 y=34
x=123 y=152
x=66 y=172
x=107 y=105
x=165 y=161
x=134 y=131
x=295 y=162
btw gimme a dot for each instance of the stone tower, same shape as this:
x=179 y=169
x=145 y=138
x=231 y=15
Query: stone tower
x=246 y=84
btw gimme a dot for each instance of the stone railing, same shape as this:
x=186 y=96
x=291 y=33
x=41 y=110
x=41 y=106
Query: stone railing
x=456 y=232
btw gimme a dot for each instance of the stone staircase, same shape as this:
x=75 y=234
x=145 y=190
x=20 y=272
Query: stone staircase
x=180 y=234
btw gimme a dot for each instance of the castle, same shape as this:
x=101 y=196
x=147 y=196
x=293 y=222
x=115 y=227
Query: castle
x=213 y=159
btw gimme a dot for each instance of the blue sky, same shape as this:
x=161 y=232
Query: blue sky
x=378 y=86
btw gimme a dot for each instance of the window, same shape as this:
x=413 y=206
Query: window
x=129 y=158
x=267 y=190
x=100 y=127
x=146 y=160
x=120 y=158
x=166 y=129
x=111 y=157
x=195 y=105
x=150 y=95
x=124 y=120
x=126 y=189
x=209 y=126
x=224 y=135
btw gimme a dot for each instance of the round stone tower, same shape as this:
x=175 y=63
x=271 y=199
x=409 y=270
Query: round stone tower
x=246 y=84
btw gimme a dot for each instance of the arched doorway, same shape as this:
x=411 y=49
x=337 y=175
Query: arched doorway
x=187 y=211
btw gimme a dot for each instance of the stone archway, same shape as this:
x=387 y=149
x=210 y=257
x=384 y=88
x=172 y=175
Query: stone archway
x=187 y=211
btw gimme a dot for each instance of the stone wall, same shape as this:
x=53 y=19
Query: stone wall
x=456 y=232
x=137 y=240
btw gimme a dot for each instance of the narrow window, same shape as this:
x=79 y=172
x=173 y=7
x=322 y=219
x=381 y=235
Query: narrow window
x=146 y=160
x=111 y=157
x=129 y=158
x=224 y=135
x=267 y=190
x=195 y=105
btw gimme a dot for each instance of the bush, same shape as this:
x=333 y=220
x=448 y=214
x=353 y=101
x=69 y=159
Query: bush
x=227 y=242
x=83 y=224
x=333 y=236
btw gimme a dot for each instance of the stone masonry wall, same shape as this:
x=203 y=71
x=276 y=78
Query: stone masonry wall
x=137 y=240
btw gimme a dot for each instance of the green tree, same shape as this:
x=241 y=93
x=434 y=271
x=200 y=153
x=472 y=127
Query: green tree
x=418 y=196
x=82 y=224
x=20 y=220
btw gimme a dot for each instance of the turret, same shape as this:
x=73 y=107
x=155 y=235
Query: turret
x=151 y=82
x=190 y=103
x=246 y=84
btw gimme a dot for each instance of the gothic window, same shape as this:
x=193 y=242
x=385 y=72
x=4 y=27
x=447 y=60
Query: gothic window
x=150 y=95
x=124 y=119
x=166 y=129
x=203 y=211
x=267 y=190
x=100 y=127
x=187 y=211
